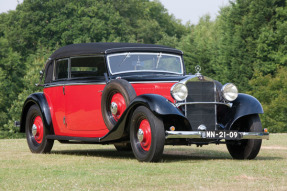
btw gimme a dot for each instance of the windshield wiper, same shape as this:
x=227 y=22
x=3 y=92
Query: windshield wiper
x=127 y=56
x=158 y=58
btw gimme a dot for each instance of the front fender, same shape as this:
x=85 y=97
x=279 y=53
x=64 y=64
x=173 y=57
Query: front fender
x=244 y=105
x=159 y=105
x=40 y=100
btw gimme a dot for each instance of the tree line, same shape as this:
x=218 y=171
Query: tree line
x=245 y=44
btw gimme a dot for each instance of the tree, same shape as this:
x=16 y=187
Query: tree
x=60 y=23
x=272 y=91
x=11 y=72
x=36 y=63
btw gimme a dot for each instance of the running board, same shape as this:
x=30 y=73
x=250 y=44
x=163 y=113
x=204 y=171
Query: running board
x=80 y=139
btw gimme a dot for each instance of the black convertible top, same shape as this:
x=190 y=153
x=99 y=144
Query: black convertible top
x=106 y=48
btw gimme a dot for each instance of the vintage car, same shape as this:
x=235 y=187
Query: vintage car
x=137 y=97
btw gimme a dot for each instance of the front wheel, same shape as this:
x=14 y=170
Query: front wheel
x=246 y=148
x=146 y=135
x=36 y=132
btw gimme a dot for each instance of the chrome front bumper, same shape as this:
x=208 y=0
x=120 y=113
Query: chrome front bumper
x=202 y=135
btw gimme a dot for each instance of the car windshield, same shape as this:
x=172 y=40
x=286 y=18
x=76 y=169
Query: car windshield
x=145 y=62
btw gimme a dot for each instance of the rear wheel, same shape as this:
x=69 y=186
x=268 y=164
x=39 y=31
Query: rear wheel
x=246 y=148
x=36 y=132
x=146 y=135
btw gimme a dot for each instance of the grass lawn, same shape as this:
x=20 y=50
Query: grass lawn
x=101 y=167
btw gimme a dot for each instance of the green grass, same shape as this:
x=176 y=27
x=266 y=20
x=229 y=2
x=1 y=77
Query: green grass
x=101 y=167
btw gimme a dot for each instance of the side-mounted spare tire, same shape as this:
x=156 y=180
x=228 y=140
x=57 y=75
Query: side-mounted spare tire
x=116 y=97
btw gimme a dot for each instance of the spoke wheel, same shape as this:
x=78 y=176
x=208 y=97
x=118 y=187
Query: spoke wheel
x=36 y=132
x=147 y=135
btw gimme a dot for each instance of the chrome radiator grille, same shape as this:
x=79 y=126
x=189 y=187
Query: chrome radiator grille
x=201 y=91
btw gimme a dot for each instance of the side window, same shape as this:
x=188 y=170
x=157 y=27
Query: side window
x=61 y=69
x=87 y=67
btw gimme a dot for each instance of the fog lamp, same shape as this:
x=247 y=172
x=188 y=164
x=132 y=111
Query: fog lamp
x=172 y=128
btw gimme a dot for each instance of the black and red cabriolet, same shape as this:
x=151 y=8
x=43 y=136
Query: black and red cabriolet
x=137 y=97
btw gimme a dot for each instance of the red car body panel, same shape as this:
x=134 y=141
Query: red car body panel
x=76 y=109
x=162 y=89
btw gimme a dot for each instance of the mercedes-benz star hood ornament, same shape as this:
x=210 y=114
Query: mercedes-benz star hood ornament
x=198 y=69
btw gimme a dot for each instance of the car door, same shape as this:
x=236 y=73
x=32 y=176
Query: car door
x=83 y=93
x=55 y=95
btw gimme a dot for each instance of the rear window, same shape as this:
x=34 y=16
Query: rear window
x=61 y=71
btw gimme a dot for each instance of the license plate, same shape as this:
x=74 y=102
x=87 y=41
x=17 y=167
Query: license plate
x=222 y=135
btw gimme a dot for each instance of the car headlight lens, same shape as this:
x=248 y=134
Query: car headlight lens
x=229 y=91
x=179 y=92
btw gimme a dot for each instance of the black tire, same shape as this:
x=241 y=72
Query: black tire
x=120 y=86
x=246 y=148
x=153 y=153
x=36 y=143
x=123 y=147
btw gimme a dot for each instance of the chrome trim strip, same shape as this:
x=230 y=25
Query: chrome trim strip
x=254 y=135
x=183 y=134
x=215 y=107
x=195 y=78
x=201 y=134
x=203 y=103
x=148 y=82
x=95 y=83
x=72 y=84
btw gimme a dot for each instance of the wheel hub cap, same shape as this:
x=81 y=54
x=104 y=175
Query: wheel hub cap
x=140 y=135
x=118 y=106
x=37 y=129
x=114 y=108
x=144 y=135
x=34 y=130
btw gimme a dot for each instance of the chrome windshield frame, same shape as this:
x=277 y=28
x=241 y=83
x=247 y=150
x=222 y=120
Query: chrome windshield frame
x=145 y=53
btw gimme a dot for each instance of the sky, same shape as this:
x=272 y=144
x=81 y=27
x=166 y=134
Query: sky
x=185 y=10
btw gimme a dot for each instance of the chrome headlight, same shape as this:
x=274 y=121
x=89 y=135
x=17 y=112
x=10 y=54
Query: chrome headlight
x=178 y=92
x=229 y=91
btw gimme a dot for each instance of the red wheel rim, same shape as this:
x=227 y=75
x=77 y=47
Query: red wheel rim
x=37 y=129
x=145 y=130
x=118 y=101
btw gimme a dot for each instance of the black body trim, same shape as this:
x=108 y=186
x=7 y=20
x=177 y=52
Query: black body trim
x=40 y=100
x=159 y=105
x=82 y=139
x=244 y=105
x=106 y=48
